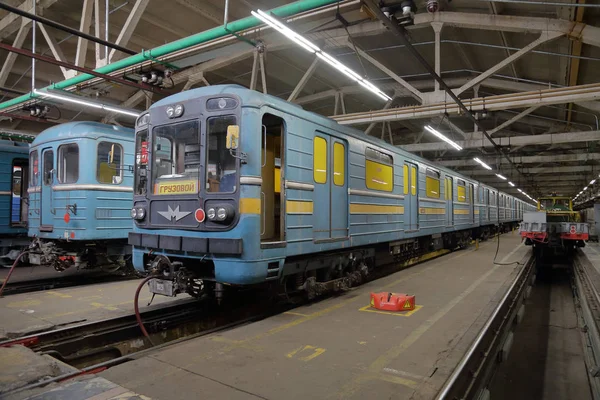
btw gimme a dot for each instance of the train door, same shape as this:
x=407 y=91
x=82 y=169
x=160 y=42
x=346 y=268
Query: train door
x=46 y=211
x=330 y=201
x=472 y=201
x=449 y=201
x=19 y=205
x=411 y=199
x=273 y=178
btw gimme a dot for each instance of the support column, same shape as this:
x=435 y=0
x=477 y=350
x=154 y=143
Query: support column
x=437 y=29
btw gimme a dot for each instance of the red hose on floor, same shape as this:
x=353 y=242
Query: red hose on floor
x=136 y=307
x=11 y=270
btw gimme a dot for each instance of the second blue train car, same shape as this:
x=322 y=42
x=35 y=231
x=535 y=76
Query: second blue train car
x=80 y=194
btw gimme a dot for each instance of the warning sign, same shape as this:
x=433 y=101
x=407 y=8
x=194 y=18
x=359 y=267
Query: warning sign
x=177 y=187
x=407 y=304
x=372 y=302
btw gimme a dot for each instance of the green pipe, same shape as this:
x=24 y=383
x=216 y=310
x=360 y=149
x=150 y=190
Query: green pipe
x=202 y=37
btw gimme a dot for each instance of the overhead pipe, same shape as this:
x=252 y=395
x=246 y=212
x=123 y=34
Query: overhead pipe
x=64 y=28
x=199 y=38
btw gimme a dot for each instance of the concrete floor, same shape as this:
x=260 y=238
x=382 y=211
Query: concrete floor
x=21 y=314
x=546 y=361
x=338 y=348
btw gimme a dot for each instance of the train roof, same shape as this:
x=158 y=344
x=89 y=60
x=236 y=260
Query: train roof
x=252 y=98
x=83 y=129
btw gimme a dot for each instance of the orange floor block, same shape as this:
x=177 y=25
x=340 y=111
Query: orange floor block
x=388 y=301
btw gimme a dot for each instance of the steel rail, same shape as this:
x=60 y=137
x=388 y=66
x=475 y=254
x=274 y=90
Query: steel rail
x=454 y=386
x=586 y=293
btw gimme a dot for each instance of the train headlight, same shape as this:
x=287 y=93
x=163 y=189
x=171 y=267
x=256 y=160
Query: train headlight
x=138 y=213
x=175 y=111
x=211 y=213
x=221 y=214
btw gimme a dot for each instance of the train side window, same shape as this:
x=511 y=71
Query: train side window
x=471 y=190
x=320 y=160
x=405 y=179
x=68 y=163
x=432 y=183
x=413 y=180
x=379 y=170
x=48 y=166
x=109 y=166
x=339 y=164
x=461 y=191
x=34 y=163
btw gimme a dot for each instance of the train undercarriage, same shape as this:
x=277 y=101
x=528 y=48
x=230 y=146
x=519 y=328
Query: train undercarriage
x=108 y=256
x=313 y=275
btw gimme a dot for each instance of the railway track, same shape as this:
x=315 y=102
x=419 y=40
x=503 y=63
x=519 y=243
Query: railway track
x=586 y=282
x=36 y=285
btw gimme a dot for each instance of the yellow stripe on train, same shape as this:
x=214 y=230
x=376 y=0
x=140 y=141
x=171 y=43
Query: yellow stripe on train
x=462 y=212
x=249 y=205
x=432 y=210
x=360 y=208
x=299 y=207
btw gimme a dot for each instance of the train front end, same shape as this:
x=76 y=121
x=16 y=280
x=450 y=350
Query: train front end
x=196 y=201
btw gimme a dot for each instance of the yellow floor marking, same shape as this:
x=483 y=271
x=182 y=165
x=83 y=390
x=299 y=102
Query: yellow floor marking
x=88 y=298
x=106 y=307
x=296 y=313
x=316 y=351
x=398 y=380
x=64 y=314
x=23 y=303
x=386 y=358
x=368 y=308
x=59 y=294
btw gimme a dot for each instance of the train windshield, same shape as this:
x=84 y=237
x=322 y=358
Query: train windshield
x=176 y=158
x=221 y=164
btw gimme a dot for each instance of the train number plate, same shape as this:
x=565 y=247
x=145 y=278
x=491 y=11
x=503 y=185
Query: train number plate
x=160 y=286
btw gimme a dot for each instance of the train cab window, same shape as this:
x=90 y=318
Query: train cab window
x=48 y=166
x=68 y=163
x=432 y=183
x=34 y=163
x=141 y=162
x=461 y=191
x=339 y=164
x=320 y=160
x=176 y=158
x=221 y=167
x=379 y=170
x=109 y=167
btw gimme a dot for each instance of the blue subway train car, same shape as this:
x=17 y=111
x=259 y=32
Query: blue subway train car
x=80 y=195
x=13 y=199
x=236 y=187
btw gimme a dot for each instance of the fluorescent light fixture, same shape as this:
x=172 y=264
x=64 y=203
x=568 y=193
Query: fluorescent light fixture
x=314 y=49
x=511 y=184
x=501 y=177
x=484 y=165
x=592 y=181
x=520 y=190
x=83 y=102
x=444 y=138
x=585 y=188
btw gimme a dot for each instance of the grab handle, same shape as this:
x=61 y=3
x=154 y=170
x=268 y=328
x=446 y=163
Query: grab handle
x=264 y=147
x=262 y=210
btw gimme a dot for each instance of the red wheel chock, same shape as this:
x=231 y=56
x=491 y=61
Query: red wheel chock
x=388 y=301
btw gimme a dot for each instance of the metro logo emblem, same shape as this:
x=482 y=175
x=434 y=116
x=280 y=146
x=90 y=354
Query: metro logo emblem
x=176 y=215
x=179 y=187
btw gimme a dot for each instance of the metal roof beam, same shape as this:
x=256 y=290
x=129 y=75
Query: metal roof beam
x=555 y=158
x=540 y=170
x=490 y=103
x=477 y=142
x=130 y=24
x=12 y=57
